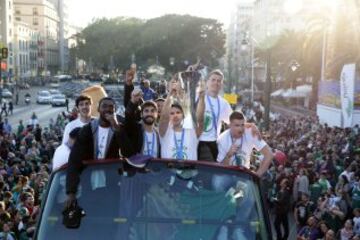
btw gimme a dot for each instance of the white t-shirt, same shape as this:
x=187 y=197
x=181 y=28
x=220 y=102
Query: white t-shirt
x=150 y=144
x=210 y=134
x=189 y=149
x=102 y=137
x=247 y=142
x=71 y=126
x=61 y=156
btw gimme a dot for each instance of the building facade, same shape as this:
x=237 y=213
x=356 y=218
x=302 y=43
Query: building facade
x=42 y=16
x=238 y=56
x=26 y=59
x=6 y=35
x=258 y=25
x=62 y=8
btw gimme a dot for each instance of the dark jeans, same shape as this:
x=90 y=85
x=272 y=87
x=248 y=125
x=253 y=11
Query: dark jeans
x=207 y=151
x=281 y=219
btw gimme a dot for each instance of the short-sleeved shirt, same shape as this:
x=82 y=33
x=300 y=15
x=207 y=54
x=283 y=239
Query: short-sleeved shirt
x=247 y=143
x=61 y=156
x=69 y=127
x=220 y=109
x=188 y=150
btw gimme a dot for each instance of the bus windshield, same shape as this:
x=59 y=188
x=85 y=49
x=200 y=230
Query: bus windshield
x=161 y=202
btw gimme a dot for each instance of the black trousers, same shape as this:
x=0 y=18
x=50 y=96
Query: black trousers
x=281 y=220
x=207 y=151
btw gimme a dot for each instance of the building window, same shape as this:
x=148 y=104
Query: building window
x=17 y=11
x=35 y=11
x=35 y=21
x=18 y=19
x=10 y=32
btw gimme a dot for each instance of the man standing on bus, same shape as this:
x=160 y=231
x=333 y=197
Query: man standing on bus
x=237 y=143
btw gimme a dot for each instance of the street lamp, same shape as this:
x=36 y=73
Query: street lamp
x=267 y=90
x=46 y=48
x=244 y=44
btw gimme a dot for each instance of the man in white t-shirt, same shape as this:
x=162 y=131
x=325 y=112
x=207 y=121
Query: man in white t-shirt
x=62 y=153
x=235 y=145
x=176 y=141
x=83 y=104
x=217 y=110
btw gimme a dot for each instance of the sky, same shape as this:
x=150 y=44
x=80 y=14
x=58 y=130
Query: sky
x=81 y=12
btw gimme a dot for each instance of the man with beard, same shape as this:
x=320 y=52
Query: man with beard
x=83 y=105
x=144 y=136
x=102 y=138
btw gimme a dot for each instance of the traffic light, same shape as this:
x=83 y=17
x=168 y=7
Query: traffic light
x=4 y=52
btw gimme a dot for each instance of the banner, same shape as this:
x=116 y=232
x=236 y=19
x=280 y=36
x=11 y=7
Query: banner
x=347 y=87
x=329 y=93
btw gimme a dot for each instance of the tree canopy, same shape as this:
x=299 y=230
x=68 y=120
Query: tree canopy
x=182 y=37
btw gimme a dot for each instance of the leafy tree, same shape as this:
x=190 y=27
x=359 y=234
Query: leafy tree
x=182 y=37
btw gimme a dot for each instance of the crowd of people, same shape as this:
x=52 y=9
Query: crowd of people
x=26 y=151
x=317 y=182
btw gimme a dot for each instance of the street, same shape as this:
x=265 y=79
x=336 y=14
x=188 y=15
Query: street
x=43 y=111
